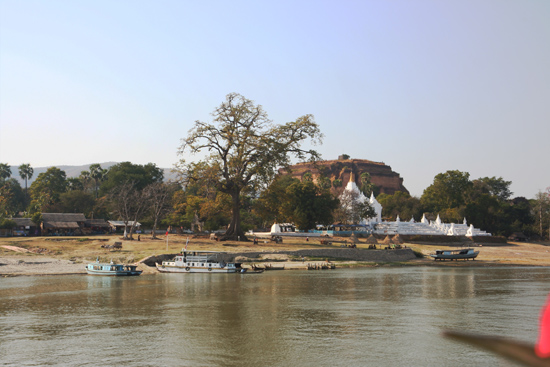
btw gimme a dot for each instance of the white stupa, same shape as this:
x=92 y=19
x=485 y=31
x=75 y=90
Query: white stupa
x=352 y=189
x=276 y=228
x=377 y=208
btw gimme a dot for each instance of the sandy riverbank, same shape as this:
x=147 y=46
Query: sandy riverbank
x=69 y=255
x=38 y=265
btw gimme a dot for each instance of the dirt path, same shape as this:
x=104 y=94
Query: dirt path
x=16 y=249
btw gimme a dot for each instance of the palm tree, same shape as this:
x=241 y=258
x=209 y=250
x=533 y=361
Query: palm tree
x=85 y=179
x=98 y=174
x=5 y=171
x=26 y=172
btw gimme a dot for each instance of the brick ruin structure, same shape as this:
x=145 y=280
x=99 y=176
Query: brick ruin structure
x=381 y=175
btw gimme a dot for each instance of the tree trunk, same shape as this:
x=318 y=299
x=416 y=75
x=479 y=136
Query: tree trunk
x=234 y=231
x=154 y=231
x=540 y=221
x=132 y=228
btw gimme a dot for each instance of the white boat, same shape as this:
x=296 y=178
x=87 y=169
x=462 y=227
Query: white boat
x=198 y=262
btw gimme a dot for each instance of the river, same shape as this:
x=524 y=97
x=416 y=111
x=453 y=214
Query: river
x=387 y=316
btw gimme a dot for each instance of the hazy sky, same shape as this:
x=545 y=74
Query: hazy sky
x=424 y=86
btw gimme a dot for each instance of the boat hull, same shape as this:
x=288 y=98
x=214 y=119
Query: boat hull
x=114 y=273
x=455 y=256
x=191 y=269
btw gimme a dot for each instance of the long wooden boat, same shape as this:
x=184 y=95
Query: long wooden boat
x=460 y=254
x=112 y=269
x=251 y=271
x=198 y=262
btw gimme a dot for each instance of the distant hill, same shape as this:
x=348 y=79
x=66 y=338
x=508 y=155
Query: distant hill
x=74 y=171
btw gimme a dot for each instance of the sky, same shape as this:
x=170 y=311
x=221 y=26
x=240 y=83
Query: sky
x=424 y=86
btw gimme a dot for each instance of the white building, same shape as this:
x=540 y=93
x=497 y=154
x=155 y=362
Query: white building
x=424 y=227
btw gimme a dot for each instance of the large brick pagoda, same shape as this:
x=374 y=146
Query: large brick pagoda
x=386 y=180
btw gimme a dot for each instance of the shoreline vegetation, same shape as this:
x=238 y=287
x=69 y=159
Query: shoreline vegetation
x=69 y=255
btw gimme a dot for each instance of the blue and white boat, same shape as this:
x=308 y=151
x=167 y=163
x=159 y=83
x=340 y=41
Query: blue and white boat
x=464 y=254
x=111 y=268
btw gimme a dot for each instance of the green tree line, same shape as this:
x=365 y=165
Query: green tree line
x=237 y=187
x=114 y=193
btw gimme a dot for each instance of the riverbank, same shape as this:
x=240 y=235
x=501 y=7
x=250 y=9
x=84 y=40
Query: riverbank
x=69 y=255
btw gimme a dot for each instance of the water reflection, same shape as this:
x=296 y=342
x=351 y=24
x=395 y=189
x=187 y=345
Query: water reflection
x=379 y=317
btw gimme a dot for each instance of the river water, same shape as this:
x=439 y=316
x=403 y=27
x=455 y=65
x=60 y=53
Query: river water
x=343 y=317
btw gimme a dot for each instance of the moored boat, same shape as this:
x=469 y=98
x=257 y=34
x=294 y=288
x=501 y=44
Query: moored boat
x=198 y=262
x=460 y=254
x=251 y=271
x=111 y=268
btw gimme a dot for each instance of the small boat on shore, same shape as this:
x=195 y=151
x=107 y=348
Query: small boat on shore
x=198 y=262
x=460 y=254
x=112 y=269
x=251 y=271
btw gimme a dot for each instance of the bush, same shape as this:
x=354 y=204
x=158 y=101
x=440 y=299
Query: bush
x=6 y=223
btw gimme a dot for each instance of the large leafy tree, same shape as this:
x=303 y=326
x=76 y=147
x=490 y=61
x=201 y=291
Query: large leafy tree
x=493 y=186
x=47 y=188
x=402 y=204
x=487 y=212
x=75 y=201
x=203 y=199
x=12 y=198
x=177 y=214
x=269 y=205
x=519 y=216
x=139 y=175
x=74 y=184
x=449 y=190
x=248 y=148
x=306 y=204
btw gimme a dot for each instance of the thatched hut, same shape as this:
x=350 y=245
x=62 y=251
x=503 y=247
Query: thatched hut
x=372 y=240
x=386 y=241
x=397 y=240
